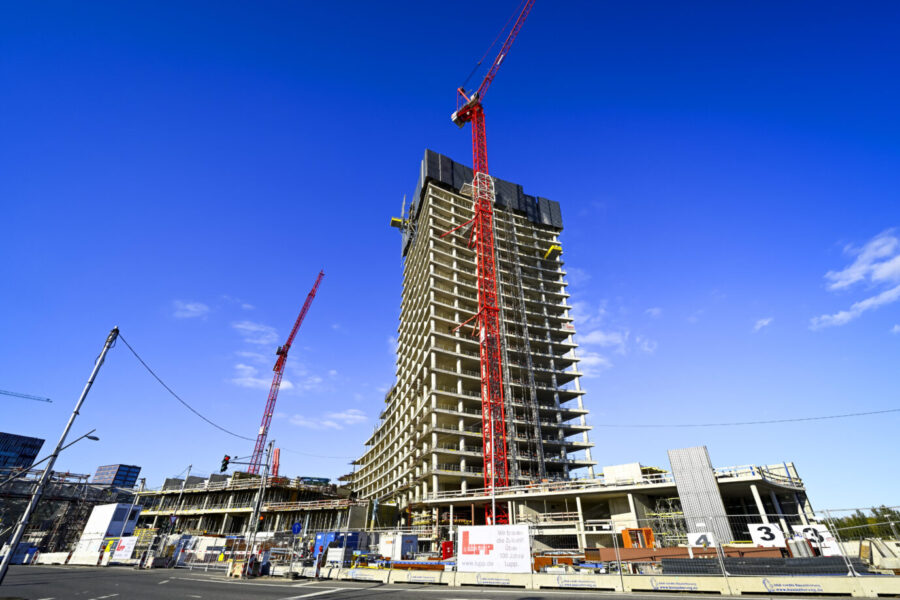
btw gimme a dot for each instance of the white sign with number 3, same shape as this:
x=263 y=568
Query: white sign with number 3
x=766 y=535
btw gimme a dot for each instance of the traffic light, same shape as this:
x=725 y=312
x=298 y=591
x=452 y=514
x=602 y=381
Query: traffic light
x=225 y=464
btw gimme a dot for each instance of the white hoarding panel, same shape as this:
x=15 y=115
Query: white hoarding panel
x=703 y=539
x=124 y=548
x=766 y=535
x=819 y=536
x=494 y=549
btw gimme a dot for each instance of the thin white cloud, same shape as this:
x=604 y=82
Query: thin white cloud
x=856 y=309
x=238 y=301
x=254 y=356
x=256 y=333
x=332 y=420
x=586 y=316
x=610 y=337
x=393 y=345
x=895 y=330
x=246 y=376
x=645 y=344
x=189 y=310
x=332 y=373
x=695 y=317
x=764 y=322
x=877 y=260
x=315 y=423
x=351 y=416
x=606 y=339
x=593 y=364
x=576 y=276
x=876 y=263
x=306 y=379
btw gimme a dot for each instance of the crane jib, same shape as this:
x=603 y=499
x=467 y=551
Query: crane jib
x=282 y=352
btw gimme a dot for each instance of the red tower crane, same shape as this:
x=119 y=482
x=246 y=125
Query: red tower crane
x=493 y=421
x=282 y=353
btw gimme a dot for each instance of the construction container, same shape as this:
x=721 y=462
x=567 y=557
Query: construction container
x=351 y=540
x=397 y=546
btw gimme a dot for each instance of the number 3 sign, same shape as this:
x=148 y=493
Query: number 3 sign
x=766 y=535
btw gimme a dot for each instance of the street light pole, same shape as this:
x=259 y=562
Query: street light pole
x=257 y=508
x=23 y=472
x=39 y=488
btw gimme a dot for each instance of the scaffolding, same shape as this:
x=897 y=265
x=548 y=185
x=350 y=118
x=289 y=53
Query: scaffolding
x=667 y=522
x=62 y=512
x=532 y=415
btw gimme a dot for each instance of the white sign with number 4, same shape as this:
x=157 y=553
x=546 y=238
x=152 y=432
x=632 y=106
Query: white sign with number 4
x=704 y=539
x=767 y=535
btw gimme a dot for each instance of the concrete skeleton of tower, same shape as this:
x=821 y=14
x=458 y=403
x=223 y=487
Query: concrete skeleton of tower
x=428 y=439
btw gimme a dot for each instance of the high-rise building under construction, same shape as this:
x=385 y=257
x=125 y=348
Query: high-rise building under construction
x=428 y=439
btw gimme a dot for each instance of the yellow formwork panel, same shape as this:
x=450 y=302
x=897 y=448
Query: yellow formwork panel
x=552 y=252
x=395 y=222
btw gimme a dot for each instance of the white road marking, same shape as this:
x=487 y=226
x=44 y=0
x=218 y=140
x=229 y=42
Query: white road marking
x=45 y=598
x=193 y=596
x=246 y=583
x=307 y=583
x=331 y=591
x=162 y=582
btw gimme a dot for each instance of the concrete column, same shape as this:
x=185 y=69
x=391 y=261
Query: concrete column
x=633 y=510
x=434 y=482
x=778 y=510
x=464 y=487
x=759 y=504
x=801 y=509
x=581 y=536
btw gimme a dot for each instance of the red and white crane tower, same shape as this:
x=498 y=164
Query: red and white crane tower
x=282 y=352
x=470 y=109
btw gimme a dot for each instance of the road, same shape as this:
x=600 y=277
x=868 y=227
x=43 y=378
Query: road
x=120 y=583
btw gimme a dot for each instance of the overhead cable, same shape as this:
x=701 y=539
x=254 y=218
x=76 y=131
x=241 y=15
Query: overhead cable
x=193 y=410
x=736 y=423
x=177 y=397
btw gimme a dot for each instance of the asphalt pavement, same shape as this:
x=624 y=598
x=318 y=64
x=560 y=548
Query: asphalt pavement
x=121 y=583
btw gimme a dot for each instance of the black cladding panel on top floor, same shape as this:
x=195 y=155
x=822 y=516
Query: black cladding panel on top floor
x=448 y=173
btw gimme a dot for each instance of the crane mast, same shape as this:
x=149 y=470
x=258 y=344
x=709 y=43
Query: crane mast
x=493 y=418
x=282 y=353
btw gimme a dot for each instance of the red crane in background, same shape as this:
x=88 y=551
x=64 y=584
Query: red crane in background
x=496 y=468
x=282 y=352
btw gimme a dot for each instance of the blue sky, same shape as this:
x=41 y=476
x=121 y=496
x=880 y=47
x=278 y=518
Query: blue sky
x=727 y=175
